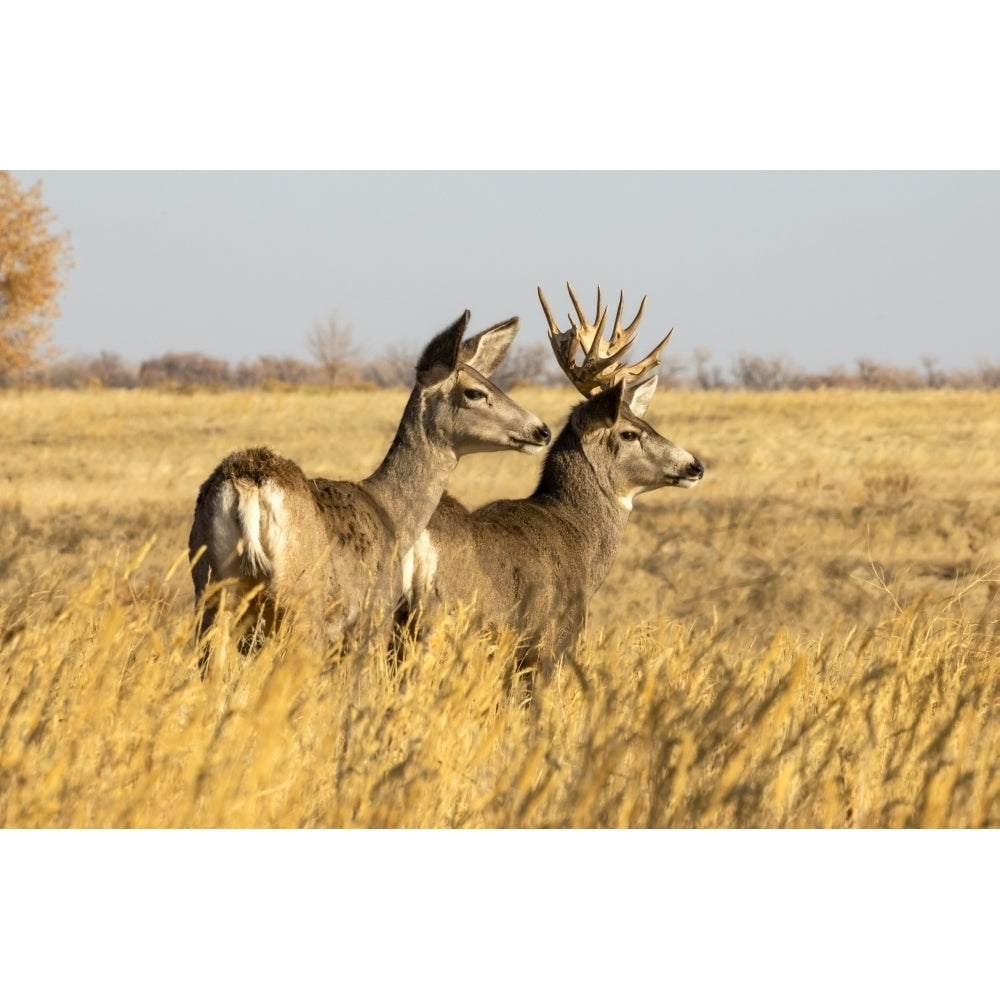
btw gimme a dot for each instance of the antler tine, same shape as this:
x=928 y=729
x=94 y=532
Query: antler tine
x=609 y=360
x=564 y=344
x=618 y=334
x=578 y=307
x=553 y=326
x=587 y=334
x=633 y=373
x=600 y=317
x=595 y=348
x=621 y=339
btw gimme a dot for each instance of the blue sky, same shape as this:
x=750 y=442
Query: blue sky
x=821 y=268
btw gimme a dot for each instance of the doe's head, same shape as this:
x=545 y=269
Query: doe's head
x=462 y=406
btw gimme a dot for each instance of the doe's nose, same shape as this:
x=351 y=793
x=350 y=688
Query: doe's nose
x=695 y=470
x=542 y=434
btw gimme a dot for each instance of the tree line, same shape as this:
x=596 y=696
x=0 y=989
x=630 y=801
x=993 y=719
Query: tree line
x=532 y=365
x=394 y=367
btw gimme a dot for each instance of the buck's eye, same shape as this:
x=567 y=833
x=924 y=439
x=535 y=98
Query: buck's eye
x=474 y=394
x=629 y=436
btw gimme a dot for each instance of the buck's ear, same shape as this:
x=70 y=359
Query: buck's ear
x=486 y=350
x=640 y=395
x=441 y=356
x=600 y=411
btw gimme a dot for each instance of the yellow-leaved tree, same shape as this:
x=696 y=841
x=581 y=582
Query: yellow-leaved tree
x=33 y=260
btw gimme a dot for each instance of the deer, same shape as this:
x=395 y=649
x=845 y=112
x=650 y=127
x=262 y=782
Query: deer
x=533 y=564
x=267 y=542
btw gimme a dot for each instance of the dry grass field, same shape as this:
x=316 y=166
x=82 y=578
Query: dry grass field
x=809 y=638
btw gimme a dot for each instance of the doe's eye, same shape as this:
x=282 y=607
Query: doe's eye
x=474 y=394
x=629 y=436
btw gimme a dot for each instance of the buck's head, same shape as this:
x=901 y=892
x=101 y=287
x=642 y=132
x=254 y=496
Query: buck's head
x=625 y=452
x=461 y=407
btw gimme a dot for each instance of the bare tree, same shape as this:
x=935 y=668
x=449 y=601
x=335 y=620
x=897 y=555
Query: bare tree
x=873 y=375
x=268 y=369
x=184 y=368
x=114 y=371
x=705 y=377
x=81 y=371
x=670 y=372
x=528 y=363
x=32 y=260
x=332 y=344
x=393 y=367
x=988 y=374
x=754 y=372
x=935 y=378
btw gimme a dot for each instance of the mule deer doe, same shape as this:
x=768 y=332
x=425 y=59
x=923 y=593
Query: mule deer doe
x=534 y=564
x=331 y=551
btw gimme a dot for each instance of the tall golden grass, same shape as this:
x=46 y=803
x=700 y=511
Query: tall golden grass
x=808 y=639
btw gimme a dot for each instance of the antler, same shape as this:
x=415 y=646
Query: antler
x=601 y=366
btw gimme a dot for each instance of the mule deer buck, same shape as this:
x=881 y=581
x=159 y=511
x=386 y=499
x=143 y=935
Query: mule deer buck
x=534 y=564
x=331 y=551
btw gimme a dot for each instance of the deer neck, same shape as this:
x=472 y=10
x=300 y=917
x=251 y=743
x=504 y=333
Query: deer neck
x=571 y=487
x=413 y=475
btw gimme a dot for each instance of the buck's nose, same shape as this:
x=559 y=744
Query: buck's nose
x=542 y=434
x=695 y=470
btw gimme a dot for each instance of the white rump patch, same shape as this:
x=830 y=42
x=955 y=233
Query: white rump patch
x=274 y=525
x=264 y=523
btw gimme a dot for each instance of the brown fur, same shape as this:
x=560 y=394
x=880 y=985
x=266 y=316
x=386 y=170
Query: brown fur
x=534 y=564
x=329 y=551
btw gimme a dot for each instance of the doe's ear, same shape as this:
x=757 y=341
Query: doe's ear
x=639 y=395
x=441 y=356
x=486 y=350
